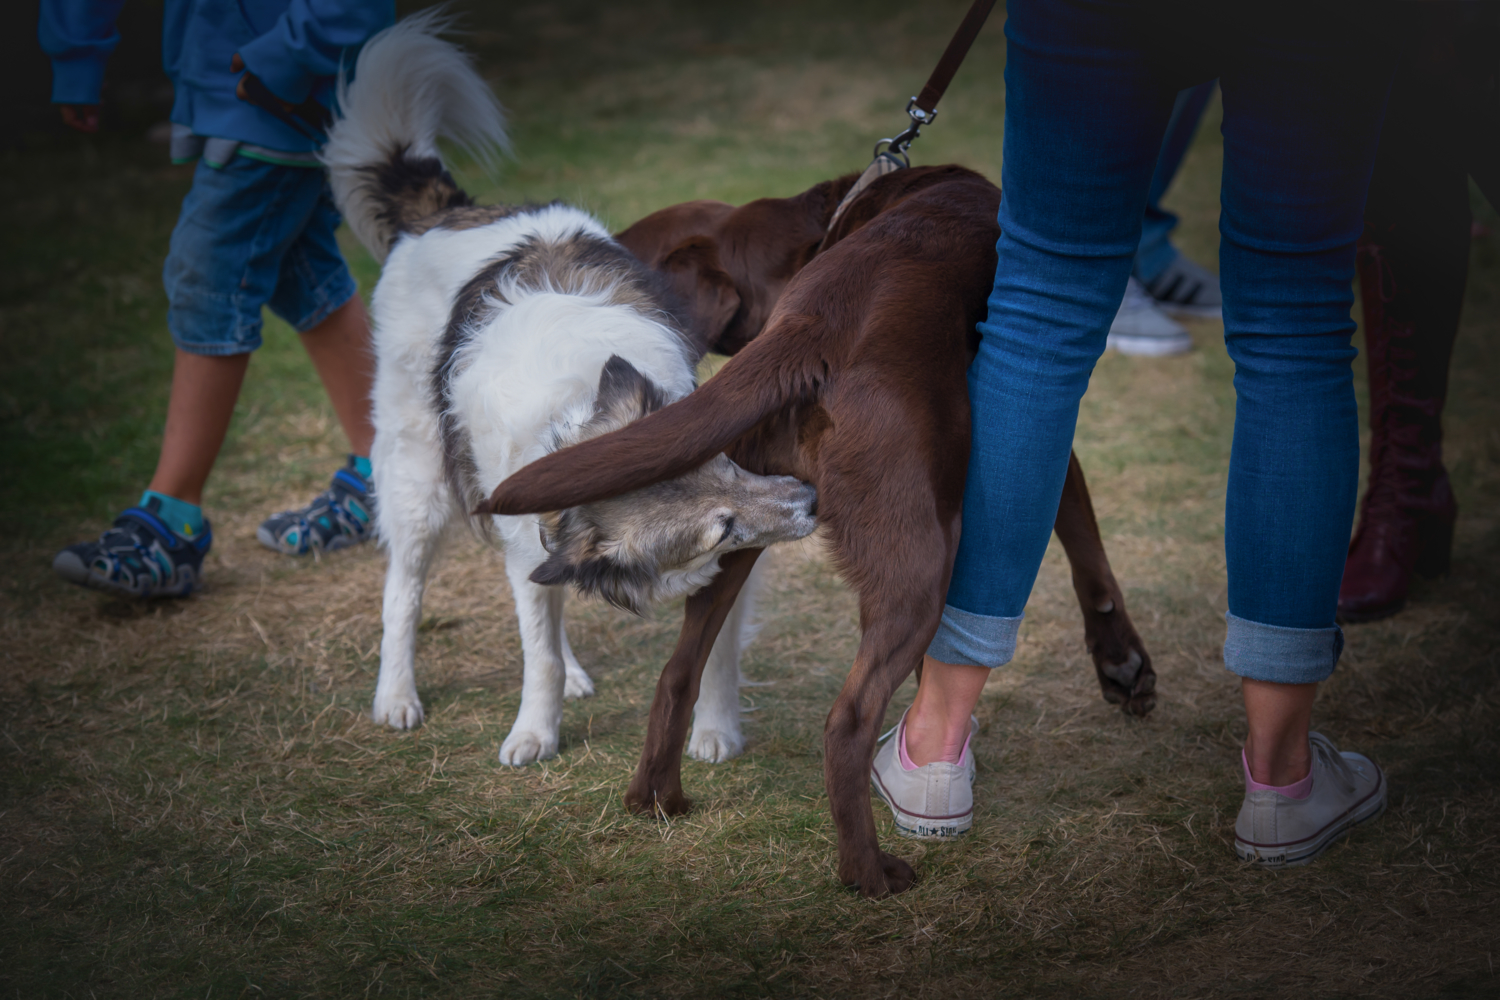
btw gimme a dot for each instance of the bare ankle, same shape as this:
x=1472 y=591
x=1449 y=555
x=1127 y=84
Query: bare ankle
x=1278 y=766
x=1279 y=717
x=930 y=737
x=937 y=724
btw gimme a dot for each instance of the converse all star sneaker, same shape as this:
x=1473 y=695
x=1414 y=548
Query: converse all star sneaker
x=931 y=802
x=1276 y=831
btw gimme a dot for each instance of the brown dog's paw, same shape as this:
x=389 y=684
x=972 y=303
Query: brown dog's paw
x=647 y=800
x=1143 y=694
x=882 y=875
x=1121 y=661
x=1129 y=683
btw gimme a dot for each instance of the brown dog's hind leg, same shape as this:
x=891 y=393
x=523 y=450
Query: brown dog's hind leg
x=1120 y=658
x=656 y=787
x=891 y=647
x=901 y=578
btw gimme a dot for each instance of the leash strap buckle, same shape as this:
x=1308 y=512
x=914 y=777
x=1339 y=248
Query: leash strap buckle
x=898 y=144
x=920 y=115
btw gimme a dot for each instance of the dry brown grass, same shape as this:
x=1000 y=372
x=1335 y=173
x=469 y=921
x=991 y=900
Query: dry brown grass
x=192 y=802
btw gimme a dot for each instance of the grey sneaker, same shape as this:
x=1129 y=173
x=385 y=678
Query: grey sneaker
x=934 y=802
x=1274 y=831
x=1140 y=328
x=1187 y=289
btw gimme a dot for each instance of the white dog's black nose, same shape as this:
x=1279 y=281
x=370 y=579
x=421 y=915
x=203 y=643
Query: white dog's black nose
x=809 y=496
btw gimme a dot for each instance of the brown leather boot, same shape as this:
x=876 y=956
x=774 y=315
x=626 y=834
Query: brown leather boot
x=1406 y=520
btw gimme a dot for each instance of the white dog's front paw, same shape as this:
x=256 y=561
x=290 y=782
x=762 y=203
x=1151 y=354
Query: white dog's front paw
x=525 y=746
x=402 y=710
x=715 y=745
x=578 y=684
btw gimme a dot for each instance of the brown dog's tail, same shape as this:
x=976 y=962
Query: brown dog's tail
x=666 y=444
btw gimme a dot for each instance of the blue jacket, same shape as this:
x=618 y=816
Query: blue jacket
x=294 y=46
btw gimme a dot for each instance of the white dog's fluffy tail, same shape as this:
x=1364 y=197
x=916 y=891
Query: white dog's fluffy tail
x=410 y=88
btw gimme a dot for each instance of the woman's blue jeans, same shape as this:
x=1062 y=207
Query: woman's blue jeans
x=1090 y=86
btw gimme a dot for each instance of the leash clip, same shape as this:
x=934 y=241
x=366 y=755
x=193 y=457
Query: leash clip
x=901 y=142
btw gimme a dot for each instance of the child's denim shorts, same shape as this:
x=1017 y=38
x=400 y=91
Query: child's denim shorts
x=252 y=234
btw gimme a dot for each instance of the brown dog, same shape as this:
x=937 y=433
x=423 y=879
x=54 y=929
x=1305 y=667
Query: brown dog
x=857 y=385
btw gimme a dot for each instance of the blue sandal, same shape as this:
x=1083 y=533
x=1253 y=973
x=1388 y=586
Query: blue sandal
x=340 y=516
x=139 y=557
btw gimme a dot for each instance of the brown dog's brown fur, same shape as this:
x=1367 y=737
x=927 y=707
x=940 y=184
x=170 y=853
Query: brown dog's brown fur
x=730 y=265
x=857 y=385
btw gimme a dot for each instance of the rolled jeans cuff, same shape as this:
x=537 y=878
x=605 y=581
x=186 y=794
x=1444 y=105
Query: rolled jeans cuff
x=980 y=640
x=1281 y=655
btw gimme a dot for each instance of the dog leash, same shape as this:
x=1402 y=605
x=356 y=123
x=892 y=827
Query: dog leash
x=922 y=109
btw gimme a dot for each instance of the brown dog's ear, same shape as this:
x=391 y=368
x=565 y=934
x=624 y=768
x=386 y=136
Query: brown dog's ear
x=705 y=289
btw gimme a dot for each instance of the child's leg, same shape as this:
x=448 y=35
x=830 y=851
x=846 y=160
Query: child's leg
x=204 y=390
x=340 y=350
x=316 y=295
x=227 y=254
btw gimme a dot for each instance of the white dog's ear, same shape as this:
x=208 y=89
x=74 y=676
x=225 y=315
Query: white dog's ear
x=577 y=561
x=569 y=540
x=555 y=572
x=625 y=395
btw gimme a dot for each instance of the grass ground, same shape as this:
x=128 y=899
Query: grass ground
x=192 y=803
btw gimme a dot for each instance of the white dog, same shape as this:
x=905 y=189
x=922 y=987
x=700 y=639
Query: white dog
x=501 y=334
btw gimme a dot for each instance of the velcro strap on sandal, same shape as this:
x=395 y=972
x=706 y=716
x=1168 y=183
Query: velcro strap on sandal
x=152 y=523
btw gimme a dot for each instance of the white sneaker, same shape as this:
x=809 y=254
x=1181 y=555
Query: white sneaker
x=933 y=802
x=1141 y=328
x=1276 y=832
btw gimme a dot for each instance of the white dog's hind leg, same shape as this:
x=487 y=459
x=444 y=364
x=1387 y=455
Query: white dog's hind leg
x=539 y=613
x=412 y=505
x=577 y=684
x=716 y=732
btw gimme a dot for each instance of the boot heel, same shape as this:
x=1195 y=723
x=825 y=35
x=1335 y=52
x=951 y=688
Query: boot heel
x=1434 y=546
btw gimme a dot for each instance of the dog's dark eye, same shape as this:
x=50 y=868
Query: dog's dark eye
x=728 y=527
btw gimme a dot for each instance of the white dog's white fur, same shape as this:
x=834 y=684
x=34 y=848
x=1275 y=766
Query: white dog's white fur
x=527 y=378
